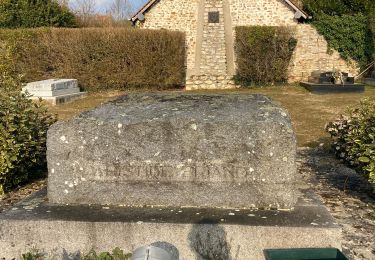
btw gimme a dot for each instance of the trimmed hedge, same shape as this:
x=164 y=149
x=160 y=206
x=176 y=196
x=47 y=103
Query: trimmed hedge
x=100 y=58
x=354 y=138
x=263 y=54
x=23 y=134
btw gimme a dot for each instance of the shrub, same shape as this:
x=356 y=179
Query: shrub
x=337 y=7
x=32 y=256
x=345 y=25
x=100 y=58
x=263 y=54
x=354 y=138
x=101 y=21
x=372 y=27
x=23 y=133
x=348 y=34
x=36 y=13
x=117 y=254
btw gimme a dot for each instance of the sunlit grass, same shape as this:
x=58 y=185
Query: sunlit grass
x=310 y=112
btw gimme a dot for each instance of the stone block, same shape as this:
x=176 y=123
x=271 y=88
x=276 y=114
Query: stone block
x=60 y=230
x=62 y=99
x=52 y=87
x=225 y=151
x=55 y=91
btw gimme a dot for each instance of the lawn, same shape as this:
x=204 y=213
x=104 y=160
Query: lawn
x=310 y=112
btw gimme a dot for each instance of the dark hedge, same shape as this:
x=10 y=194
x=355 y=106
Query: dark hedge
x=100 y=58
x=263 y=54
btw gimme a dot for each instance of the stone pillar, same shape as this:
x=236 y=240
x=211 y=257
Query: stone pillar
x=214 y=60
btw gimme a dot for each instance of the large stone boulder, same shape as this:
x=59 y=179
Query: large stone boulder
x=193 y=150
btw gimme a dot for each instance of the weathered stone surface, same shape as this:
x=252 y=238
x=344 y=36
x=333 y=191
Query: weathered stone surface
x=229 y=151
x=60 y=231
x=52 y=87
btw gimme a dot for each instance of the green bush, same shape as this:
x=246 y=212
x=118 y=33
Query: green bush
x=32 y=256
x=372 y=27
x=337 y=7
x=345 y=25
x=23 y=133
x=117 y=254
x=354 y=138
x=348 y=34
x=100 y=58
x=36 y=13
x=263 y=54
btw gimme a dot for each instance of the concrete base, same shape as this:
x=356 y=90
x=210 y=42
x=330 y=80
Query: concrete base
x=57 y=100
x=197 y=233
x=330 y=88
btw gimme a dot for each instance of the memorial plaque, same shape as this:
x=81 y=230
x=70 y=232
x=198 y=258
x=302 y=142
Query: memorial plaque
x=213 y=17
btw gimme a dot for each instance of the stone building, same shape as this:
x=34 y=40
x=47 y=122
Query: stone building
x=209 y=27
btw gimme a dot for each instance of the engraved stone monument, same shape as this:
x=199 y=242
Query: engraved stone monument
x=176 y=150
x=213 y=175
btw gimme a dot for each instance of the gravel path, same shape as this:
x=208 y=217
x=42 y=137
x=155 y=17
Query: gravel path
x=6 y=201
x=348 y=198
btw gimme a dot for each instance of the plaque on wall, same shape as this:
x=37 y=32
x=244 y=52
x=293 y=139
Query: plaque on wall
x=213 y=17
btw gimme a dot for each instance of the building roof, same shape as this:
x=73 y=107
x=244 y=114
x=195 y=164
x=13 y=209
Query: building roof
x=299 y=13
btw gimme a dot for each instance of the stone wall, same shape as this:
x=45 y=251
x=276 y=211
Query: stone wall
x=210 y=52
x=176 y=15
x=261 y=12
x=213 y=56
x=312 y=53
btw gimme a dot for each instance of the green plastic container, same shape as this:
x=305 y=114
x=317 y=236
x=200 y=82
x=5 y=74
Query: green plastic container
x=305 y=254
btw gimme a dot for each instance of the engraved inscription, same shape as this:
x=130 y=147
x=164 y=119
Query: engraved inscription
x=188 y=173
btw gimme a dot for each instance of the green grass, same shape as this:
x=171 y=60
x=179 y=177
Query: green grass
x=310 y=113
